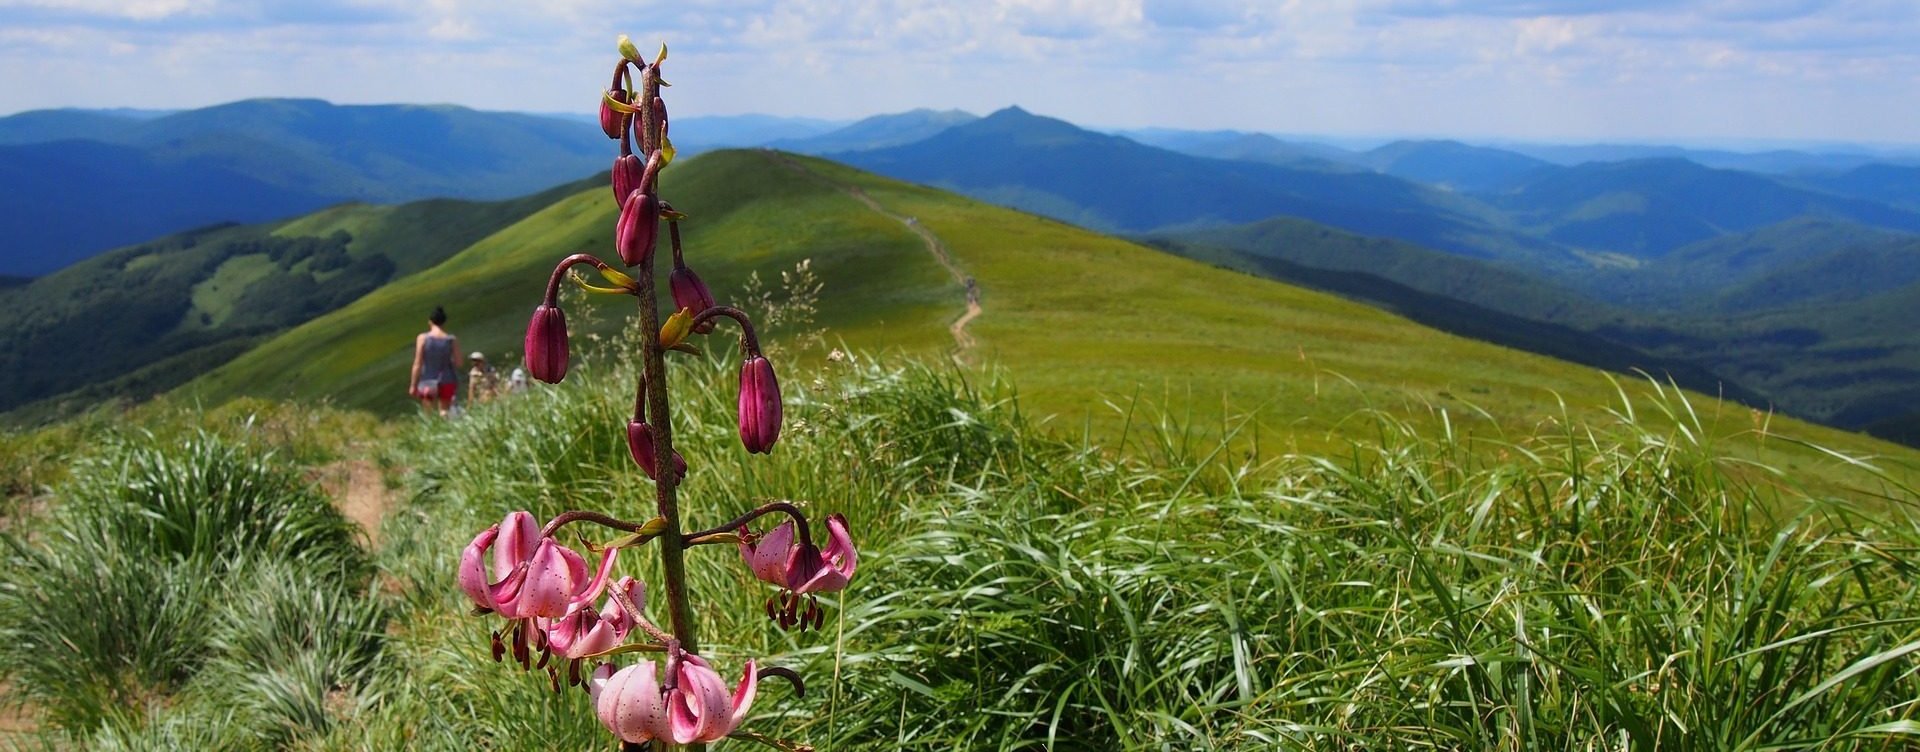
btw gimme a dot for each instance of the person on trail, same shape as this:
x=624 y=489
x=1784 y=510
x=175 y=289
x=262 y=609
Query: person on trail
x=436 y=374
x=483 y=383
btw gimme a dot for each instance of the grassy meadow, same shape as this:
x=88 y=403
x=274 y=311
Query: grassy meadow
x=1614 y=587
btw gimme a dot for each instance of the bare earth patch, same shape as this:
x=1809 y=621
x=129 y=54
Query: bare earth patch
x=360 y=492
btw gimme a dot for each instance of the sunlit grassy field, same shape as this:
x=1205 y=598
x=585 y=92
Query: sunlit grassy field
x=1613 y=587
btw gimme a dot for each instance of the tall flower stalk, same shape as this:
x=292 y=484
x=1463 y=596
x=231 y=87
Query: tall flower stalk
x=548 y=593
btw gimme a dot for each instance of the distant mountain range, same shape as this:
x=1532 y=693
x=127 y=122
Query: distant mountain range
x=877 y=132
x=76 y=182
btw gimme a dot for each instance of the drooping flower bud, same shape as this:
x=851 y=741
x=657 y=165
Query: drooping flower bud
x=640 y=447
x=760 y=408
x=638 y=228
x=691 y=294
x=612 y=121
x=546 y=346
x=640 y=125
x=628 y=171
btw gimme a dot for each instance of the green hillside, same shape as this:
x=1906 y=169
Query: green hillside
x=140 y=320
x=748 y=217
x=1078 y=319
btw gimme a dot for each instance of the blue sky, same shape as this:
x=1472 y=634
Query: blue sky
x=1663 y=70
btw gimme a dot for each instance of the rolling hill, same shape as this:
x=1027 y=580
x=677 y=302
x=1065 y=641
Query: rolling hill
x=142 y=319
x=1454 y=165
x=1894 y=184
x=1647 y=208
x=1249 y=147
x=877 y=132
x=1078 y=318
x=257 y=160
x=1801 y=315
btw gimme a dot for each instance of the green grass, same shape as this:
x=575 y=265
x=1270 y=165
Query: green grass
x=1596 y=589
x=1619 y=582
x=172 y=568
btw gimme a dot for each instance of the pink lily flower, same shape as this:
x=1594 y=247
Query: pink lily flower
x=802 y=568
x=531 y=575
x=584 y=631
x=692 y=706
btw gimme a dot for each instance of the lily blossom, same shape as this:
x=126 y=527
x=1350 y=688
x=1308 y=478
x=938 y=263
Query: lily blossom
x=530 y=575
x=802 y=569
x=584 y=631
x=692 y=706
x=511 y=544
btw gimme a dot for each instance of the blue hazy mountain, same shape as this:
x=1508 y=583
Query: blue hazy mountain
x=1249 y=147
x=1106 y=182
x=1894 y=184
x=878 y=132
x=1454 y=165
x=696 y=134
x=79 y=182
x=1645 y=208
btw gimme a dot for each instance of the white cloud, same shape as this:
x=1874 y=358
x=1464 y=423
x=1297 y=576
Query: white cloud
x=1572 y=68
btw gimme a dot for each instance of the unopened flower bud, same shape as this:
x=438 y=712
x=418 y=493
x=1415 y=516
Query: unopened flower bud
x=638 y=228
x=760 y=408
x=613 y=122
x=628 y=50
x=640 y=447
x=547 y=344
x=628 y=171
x=689 y=293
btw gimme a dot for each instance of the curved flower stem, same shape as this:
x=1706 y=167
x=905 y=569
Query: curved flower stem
x=560 y=273
x=633 y=612
x=785 y=507
x=673 y=233
x=792 y=677
x=749 y=342
x=596 y=518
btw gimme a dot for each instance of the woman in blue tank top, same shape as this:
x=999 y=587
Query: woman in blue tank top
x=435 y=365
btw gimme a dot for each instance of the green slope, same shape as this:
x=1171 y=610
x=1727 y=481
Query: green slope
x=143 y=319
x=1076 y=318
x=749 y=215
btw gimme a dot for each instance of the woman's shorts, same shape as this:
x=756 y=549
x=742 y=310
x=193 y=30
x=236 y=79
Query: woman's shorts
x=442 y=389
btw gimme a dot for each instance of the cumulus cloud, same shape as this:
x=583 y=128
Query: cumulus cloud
x=1540 y=68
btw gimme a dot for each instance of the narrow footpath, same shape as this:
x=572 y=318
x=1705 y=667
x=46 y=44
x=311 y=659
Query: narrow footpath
x=963 y=341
